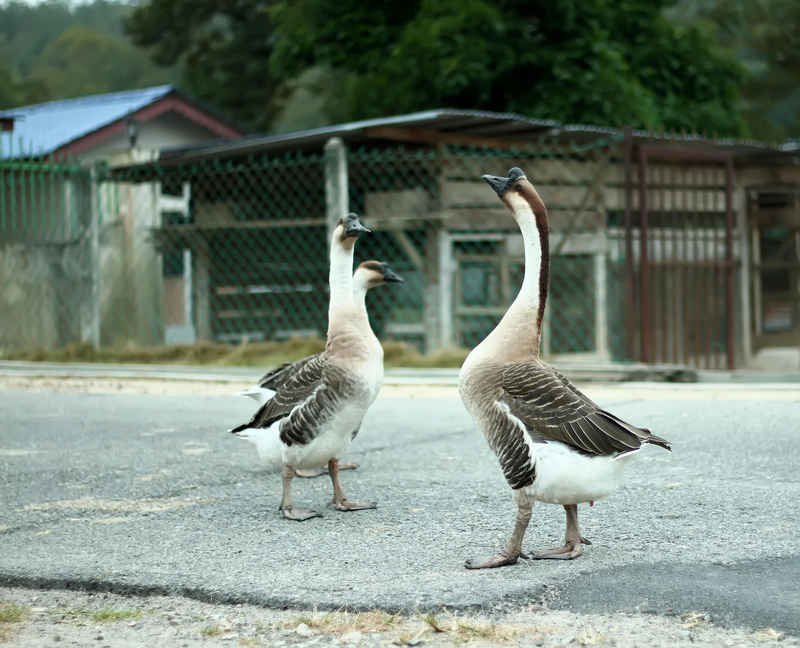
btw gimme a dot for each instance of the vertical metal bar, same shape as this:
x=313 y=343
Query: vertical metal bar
x=630 y=310
x=644 y=274
x=658 y=268
x=696 y=268
x=3 y=206
x=729 y=260
x=708 y=278
x=12 y=186
x=677 y=268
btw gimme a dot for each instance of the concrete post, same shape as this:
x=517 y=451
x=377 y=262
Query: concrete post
x=90 y=315
x=337 y=190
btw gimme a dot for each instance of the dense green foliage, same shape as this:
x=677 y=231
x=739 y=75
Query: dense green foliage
x=55 y=50
x=731 y=66
x=765 y=36
x=225 y=48
x=584 y=61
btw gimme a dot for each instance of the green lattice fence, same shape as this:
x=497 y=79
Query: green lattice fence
x=233 y=251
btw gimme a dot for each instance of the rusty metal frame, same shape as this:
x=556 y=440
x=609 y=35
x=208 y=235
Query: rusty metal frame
x=645 y=154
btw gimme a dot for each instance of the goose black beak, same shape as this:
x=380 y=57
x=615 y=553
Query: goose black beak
x=498 y=183
x=352 y=227
x=389 y=276
x=501 y=184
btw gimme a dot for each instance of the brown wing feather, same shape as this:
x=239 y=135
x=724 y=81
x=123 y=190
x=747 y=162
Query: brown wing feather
x=277 y=377
x=294 y=389
x=553 y=409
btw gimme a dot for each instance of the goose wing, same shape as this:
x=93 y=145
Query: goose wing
x=277 y=377
x=305 y=400
x=553 y=409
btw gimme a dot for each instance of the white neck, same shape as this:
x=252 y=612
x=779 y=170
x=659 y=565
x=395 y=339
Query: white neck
x=518 y=333
x=360 y=297
x=341 y=277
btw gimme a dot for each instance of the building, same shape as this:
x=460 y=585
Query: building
x=698 y=264
x=75 y=251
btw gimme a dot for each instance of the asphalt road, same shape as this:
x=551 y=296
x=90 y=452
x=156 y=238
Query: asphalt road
x=149 y=494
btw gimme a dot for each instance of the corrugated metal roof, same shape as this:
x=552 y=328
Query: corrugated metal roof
x=476 y=123
x=44 y=128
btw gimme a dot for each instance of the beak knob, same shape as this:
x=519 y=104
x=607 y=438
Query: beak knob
x=352 y=227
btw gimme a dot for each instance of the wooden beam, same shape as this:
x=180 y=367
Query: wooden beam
x=296 y=222
x=419 y=136
x=409 y=249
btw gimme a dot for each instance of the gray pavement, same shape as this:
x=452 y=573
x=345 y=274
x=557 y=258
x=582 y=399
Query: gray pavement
x=148 y=494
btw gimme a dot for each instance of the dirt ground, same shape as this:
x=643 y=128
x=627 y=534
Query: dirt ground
x=39 y=619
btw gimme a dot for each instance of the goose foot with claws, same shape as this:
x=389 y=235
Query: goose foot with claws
x=496 y=561
x=513 y=549
x=345 y=505
x=339 y=501
x=569 y=551
x=299 y=516
x=573 y=540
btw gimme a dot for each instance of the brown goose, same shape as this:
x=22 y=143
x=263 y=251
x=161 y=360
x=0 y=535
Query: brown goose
x=309 y=422
x=554 y=444
x=369 y=274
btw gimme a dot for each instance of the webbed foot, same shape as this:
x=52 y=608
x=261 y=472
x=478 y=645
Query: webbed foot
x=299 y=516
x=346 y=505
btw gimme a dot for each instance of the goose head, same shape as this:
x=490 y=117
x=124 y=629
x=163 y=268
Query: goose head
x=348 y=229
x=518 y=194
x=375 y=273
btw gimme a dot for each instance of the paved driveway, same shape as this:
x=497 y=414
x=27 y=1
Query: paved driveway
x=148 y=494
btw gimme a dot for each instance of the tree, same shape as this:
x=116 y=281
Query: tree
x=224 y=48
x=82 y=61
x=581 y=61
x=765 y=36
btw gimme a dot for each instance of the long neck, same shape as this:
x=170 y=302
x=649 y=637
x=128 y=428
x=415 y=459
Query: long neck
x=341 y=280
x=360 y=300
x=521 y=326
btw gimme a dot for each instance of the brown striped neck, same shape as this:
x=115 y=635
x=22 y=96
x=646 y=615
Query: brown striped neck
x=531 y=215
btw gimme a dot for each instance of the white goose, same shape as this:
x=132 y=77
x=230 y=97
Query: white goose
x=369 y=274
x=314 y=412
x=554 y=444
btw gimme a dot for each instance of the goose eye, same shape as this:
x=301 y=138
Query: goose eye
x=518 y=188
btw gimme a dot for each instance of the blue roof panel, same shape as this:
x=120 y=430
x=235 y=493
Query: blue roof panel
x=44 y=128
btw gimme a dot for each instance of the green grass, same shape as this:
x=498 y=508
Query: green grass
x=114 y=615
x=254 y=354
x=10 y=614
x=102 y=615
x=210 y=631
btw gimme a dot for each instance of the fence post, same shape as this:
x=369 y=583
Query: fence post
x=90 y=330
x=337 y=198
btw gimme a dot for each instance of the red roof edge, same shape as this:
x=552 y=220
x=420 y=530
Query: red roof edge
x=171 y=102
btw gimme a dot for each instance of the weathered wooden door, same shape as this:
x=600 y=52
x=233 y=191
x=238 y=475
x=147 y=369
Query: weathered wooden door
x=686 y=261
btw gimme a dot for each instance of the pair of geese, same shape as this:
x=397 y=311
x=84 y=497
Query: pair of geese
x=554 y=444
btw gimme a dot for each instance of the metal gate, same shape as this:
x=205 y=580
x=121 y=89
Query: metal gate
x=685 y=257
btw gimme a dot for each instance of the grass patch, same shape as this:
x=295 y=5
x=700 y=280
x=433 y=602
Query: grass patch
x=335 y=622
x=210 y=631
x=103 y=615
x=252 y=354
x=464 y=630
x=9 y=615
x=591 y=637
x=695 y=620
x=767 y=634
x=114 y=615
